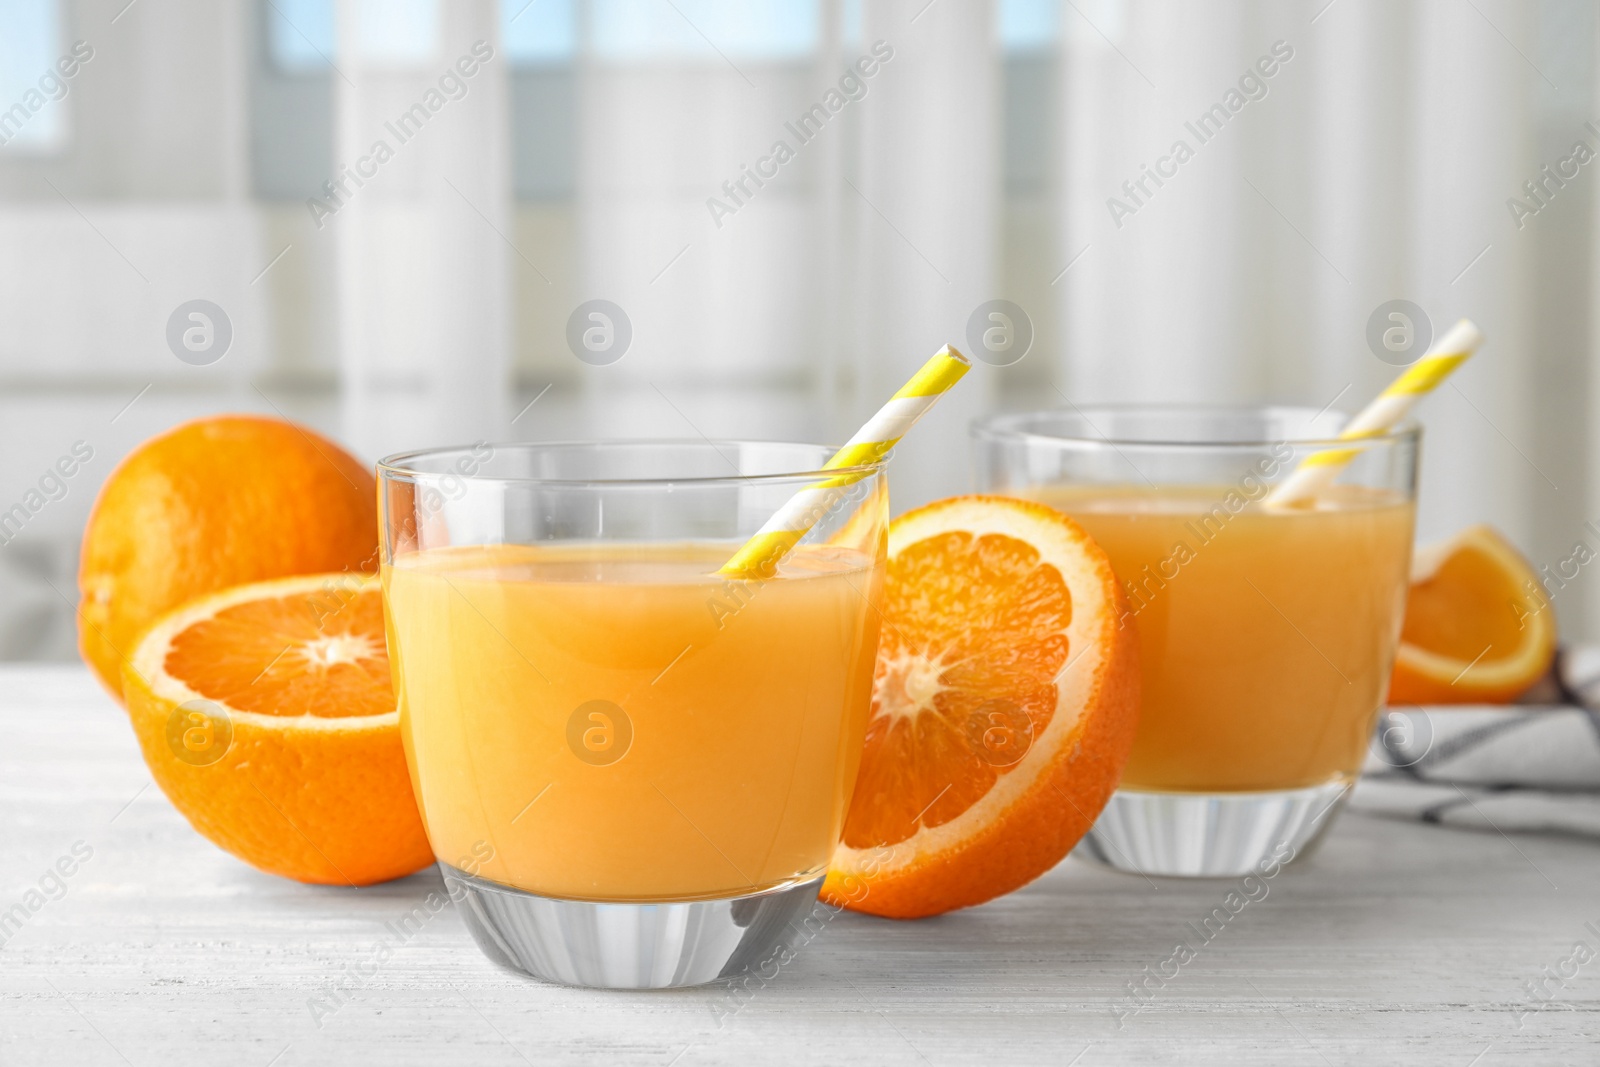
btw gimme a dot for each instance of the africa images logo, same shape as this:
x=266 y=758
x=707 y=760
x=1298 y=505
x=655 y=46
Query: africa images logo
x=452 y=85
x=852 y=87
x=1252 y=86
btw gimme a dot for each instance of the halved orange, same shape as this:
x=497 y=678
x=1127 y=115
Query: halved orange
x=266 y=715
x=1003 y=710
x=1479 y=628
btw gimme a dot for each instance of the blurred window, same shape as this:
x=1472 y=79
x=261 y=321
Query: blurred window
x=1028 y=31
x=33 y=108
x=300 y=34
x=540 y=38
x=293 y=92
x=291 y=99
x=709 y=30
x=1029 y=25
x=537 y=32
x=398 y=33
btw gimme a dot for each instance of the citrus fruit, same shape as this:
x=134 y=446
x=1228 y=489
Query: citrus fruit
x=266 y=715
x=211 y=504
x=1479 y=628
x=1003 y=709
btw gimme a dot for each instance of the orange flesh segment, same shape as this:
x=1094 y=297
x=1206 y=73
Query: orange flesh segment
x=970 y=663
x=320 y=653
x=1465 y=607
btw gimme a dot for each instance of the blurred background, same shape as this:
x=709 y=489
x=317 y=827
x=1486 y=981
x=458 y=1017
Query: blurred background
x=397 y=215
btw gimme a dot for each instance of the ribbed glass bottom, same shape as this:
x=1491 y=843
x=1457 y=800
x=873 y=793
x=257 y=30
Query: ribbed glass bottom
x=1210 y=835
x=629 y=946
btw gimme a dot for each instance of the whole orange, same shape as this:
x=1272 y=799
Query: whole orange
x=210 y=504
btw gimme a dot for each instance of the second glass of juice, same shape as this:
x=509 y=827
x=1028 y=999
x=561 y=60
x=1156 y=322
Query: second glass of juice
x=632 y=769
x=1267 y=632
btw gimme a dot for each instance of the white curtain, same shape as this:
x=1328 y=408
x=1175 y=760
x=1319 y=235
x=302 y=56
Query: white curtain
x=796 y=306
x=1374 y=163
x=1377 y=166
x=144 y=205
x=422 y=244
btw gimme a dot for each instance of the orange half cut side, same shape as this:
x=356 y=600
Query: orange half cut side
x=1004 y=706
x=1479 y=628
x=267 y=717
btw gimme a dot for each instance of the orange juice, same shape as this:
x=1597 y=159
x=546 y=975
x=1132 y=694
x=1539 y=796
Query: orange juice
x=1266 y=635
x=614 y=722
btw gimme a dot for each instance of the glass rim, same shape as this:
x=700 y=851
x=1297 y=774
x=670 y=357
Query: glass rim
x=1004 y=427
x=396 y=465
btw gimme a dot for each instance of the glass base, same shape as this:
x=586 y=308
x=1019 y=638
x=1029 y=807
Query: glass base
x=1210 y=835
x=628 y=946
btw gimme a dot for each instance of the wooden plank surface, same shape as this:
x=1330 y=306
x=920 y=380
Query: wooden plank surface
x=1395 y=943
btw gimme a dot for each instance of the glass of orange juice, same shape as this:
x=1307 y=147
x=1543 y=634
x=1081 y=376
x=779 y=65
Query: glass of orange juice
x=1267 y=631
x=632 y=770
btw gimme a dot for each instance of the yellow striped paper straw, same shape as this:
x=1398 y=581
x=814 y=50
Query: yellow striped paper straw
x=1318 y=470
x=760 y=555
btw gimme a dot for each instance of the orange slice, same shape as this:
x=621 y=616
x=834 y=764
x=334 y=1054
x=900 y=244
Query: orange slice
x=1003 y=708
x=1479 y=628
x=266 y=715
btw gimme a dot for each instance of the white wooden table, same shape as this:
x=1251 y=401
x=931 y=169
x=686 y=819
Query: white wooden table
x=1395 y=944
